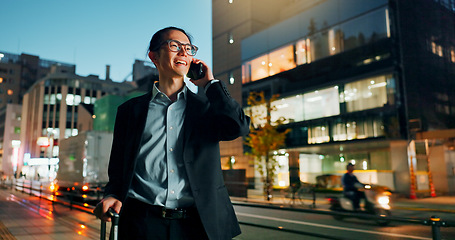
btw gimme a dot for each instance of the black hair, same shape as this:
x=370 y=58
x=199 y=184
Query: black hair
x=350 y=165
x=157 y=38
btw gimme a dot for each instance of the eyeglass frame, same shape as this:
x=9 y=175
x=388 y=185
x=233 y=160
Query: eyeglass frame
x=179 y=46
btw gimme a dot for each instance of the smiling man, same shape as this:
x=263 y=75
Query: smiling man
x=165 y=175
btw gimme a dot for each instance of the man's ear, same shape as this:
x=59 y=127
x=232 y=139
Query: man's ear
x=153 y=57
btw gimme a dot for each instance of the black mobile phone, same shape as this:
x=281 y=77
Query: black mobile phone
x=196 y=71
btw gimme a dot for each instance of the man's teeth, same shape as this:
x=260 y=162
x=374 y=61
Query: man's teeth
x=181 y=62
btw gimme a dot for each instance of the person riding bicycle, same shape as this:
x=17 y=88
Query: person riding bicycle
x=351 y=186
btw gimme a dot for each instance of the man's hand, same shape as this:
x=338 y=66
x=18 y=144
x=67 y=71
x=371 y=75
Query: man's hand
x=208 y=74
x=103 y=206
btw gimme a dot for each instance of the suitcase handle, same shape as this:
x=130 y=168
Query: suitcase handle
x=114 y=228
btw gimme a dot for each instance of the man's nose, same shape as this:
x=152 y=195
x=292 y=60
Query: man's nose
x=182 y=51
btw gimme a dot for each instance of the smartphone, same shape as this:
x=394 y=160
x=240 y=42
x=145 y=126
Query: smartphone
x=196 y=71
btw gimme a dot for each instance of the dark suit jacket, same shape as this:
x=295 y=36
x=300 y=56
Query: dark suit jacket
x=208 y=120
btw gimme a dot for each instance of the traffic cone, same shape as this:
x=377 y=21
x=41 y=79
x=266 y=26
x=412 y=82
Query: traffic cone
x=412 y=192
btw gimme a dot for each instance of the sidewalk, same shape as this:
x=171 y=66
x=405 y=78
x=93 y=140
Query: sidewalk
x=433 y=204
x=25 y=217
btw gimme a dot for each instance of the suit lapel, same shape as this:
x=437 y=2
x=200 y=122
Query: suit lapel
x=140 y=110
x=196 y=106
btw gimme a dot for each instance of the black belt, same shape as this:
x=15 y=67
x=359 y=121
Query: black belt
x=161 y=211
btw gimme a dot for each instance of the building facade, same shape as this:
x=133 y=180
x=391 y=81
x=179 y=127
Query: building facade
x=10 y=129
x=51 y=112
x=233 y=21
x=358 y=81
x=19 y=72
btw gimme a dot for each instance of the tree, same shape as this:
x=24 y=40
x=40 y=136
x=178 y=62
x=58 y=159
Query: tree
x=264 y=138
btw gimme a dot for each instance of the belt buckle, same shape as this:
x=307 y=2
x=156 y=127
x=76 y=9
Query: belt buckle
x=163 y=213
x=172 y=213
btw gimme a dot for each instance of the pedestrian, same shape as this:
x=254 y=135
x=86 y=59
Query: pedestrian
x=165 y=175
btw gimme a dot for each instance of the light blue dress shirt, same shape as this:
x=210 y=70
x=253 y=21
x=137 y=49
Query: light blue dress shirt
x=160 y=177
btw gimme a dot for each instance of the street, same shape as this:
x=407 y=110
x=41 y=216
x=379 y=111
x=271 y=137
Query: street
x=317 y=226
x=26 y=215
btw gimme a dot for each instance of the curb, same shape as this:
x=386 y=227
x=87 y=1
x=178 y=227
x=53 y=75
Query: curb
x=424 y=209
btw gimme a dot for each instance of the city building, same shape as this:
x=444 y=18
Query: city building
x=233 y=21
x=105 y=110
x=10 y=129
x=364 y=81
x=17 y=74
x=50 y=112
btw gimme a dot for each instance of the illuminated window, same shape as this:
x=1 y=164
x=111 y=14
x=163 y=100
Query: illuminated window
x=10 y=92
x=290 y=108
x=270 y=64
x=440 y=52
x=436 y=49
x=325 y=43
x=339 y=132
x=365 y=94
x=321 y=103
x=334 y=41
x=351 y=128
x=87 y=100
x=301 y=51
x=359 y=129
x=1 y=80
x=318 y=134
x=257 y=68
x=73 y=100
x=281 y=60
x=52 y=98
x=452 y=54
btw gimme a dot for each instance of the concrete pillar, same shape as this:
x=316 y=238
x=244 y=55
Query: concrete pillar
x=294 y=167
x=400 y=166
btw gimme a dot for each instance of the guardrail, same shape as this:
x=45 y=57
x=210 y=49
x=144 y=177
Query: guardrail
x=435 y=222
x=42 y=191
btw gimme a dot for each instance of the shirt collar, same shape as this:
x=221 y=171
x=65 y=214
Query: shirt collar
x=180 y=95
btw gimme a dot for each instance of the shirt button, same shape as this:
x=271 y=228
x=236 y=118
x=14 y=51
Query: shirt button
x=171 y=128
x=171 y=149
x=172 y=192
x=172 y=170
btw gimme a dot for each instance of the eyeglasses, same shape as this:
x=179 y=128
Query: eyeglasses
x=176 y=46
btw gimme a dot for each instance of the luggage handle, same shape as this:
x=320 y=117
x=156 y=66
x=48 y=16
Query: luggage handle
x=114 y=228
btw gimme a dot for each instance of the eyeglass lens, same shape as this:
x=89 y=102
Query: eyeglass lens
x=175 y=46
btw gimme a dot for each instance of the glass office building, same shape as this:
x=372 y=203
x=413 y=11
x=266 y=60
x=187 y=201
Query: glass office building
x=358 y=81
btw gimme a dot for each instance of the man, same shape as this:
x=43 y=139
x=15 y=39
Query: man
x=165 y=174
x=351 y=186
